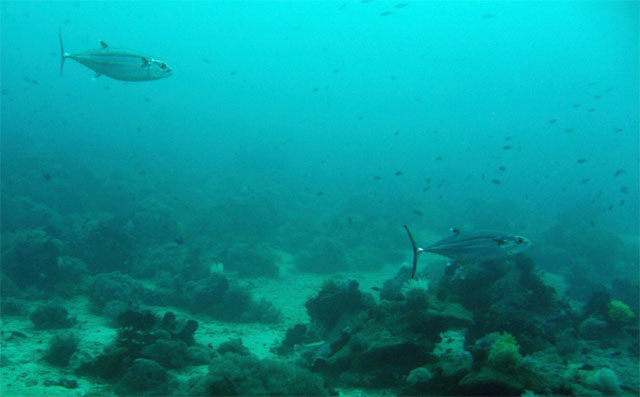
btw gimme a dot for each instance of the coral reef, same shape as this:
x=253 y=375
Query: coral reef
x=227 y=301
x=146 y=378
x=453 y=360
x=137 y=320
x=490 y=382
x=104 y=242
x=115 y=286
x=153 y=222
x=487 y=328
x=29 y=257
x=323 y=255
x=231 y=374
x=169 y=257
x=61 y=347
x=355 y=233
x=167 y=342
x=336 y=301
x=627 y=291
x=13 y=307
x=201 y=295
x=419 y=375
x=168 y=353
x=24 y=213
x=70 y=276
x=504 y=354
x=392 y=288
x=415 y=294
x=51 y=316
x=295 y=335
x=250 y=261
x=234 y=346
x=437 y=317
x=67 y=383
x=487 y=345
x=619 y=313
x=591 y=256
x=603 y=380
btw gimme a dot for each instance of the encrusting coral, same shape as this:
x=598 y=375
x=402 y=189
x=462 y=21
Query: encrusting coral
x=619 y=312
x=505 y=353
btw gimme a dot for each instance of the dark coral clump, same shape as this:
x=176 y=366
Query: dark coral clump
x=61 y=348
x=13 y=307
x=67 y=383
x=232 y=374
x=168 y=342
x=71 y=273
x=540 y=297
x=295 y=335
x=169 y=353
x=51 y=316
x=603 y=318
x=187 y=332
x=137 y=320
x=105 y=244
x=228 y=302
x=508 y=295
x=235 y=346
x=202 y=294
x=114 y=286
x=336 y=300
x=30 y=258
x=8 y=289
x=627 y=291
x=146 y=378
x=214 y=295
x=392 y=288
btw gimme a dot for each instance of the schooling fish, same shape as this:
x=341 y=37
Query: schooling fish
x=471 y=246
x=117 y=63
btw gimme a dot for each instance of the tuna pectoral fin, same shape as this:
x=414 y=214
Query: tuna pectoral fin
x=416 y=252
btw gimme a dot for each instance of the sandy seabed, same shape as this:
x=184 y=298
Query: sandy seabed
x=25 y=373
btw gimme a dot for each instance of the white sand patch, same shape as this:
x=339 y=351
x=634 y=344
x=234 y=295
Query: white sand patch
x=26 y=372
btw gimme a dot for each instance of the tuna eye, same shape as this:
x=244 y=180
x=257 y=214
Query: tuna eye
x=520 y=240
x=163 y=65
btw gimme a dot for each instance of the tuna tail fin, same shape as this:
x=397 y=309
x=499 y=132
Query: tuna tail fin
x=63 y=55
x=416 y=252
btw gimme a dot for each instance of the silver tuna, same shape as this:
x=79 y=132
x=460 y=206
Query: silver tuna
x=118 y=64
x=476 y=246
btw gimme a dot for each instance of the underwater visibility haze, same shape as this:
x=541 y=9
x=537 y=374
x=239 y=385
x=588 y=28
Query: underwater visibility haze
x=212 y=198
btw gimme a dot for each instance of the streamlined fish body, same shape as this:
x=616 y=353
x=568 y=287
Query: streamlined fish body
x=475 y=246
x=118 y=64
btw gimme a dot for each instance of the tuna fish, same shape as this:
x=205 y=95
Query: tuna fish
x=117 y=63
x=471 y=246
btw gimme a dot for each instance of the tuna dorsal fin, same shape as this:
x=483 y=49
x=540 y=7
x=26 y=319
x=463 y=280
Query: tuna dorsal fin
x=103 y=44
x=145 y=62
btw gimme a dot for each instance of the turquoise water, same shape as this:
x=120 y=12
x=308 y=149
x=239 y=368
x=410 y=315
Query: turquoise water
x=297 y=138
